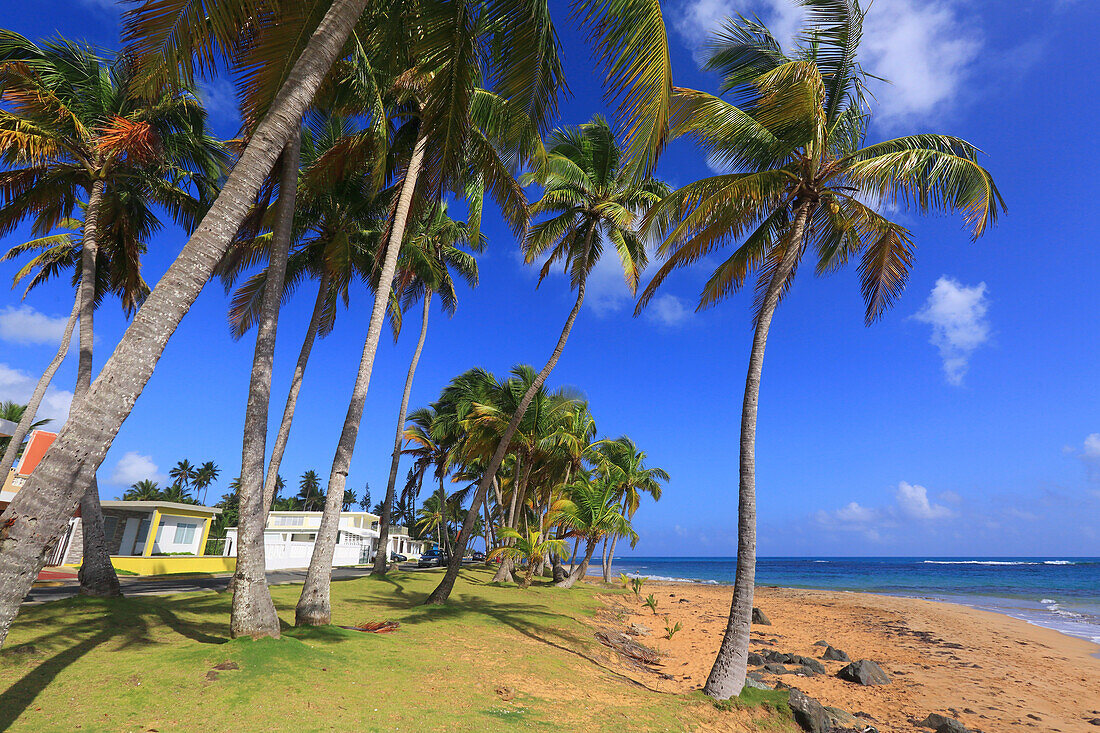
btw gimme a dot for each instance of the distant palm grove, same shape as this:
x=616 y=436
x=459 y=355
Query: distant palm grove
x=367 y=127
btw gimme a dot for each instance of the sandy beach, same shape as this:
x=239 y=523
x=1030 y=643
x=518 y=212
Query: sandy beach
x=991 y=672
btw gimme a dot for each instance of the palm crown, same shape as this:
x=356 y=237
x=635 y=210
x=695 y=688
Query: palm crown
x=794 y=136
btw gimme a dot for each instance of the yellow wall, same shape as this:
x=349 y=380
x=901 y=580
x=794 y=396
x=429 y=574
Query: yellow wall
x=171 y=564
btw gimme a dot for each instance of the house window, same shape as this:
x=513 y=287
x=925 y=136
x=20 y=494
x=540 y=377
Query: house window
x=185 y=533
x=110 y=524
x=288 y=521
x=142 y=535
x=303 y=537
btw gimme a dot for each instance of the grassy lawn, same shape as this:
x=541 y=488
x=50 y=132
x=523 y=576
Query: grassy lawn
x=494 y=658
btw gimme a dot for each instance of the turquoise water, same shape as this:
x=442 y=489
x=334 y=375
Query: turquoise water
x=1057 y=593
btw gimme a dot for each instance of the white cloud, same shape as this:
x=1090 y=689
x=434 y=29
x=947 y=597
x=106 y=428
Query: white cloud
x=219 y=97
x=855 y=513
x=17 y=385
x=668 y=310
x=925 y=48
x=24 y=325
x=134 y=467
x=1090 y=456
x=913 y=503
x=957 y=314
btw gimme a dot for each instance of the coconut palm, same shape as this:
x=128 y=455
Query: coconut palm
x=310 y=497
x=802 y=178
x=625 y=466
x=144 y=490
x=593 y=197
x=531 y=547
x=182 y=474
x=431 y=253
x=631 y=42
x=593 y=513
x=178 y=493
x=78 y=128
x=205 y=475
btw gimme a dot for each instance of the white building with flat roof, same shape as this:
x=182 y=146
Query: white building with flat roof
x=289 y=538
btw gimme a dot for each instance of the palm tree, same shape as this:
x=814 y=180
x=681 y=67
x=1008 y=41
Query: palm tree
x=593 y=197
x=182 y=474
x=531 y=547
x=795 y=135
x=205 y=475
x=178 y=493
x=144 y=490
x=350 y=498
x=593 y=513
x=14 y=412
x=310 y=497
x=78 y=127
x=630 y=38
x=431 y=253
x=625 y=466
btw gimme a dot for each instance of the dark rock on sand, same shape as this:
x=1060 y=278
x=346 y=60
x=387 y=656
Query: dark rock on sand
x=809 y=662
x=755 y=659
x=822 y=643
x=809 y=713
x=758 y=617
x=864 y=672
x=778 y=657
x=835 y=655
x=841 y=719
x=943 y=724
x=773 y=668
x=806 y=671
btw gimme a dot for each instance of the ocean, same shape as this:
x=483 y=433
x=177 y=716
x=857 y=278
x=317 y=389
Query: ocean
x=1057 y=593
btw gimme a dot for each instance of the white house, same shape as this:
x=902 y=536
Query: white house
x=289 y=539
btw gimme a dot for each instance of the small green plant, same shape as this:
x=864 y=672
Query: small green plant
x=671 y=628
x=636 y=586
x=625 y=580
x=652 y=603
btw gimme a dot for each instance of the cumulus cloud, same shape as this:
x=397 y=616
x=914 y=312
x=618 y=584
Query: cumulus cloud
x=926 y=49
x=23 y=324
x=219 y=97
x=17 y=385
x=1090 y=456
x=668 y=310
x=957 y=314
x=913 y=502
x=134 y=467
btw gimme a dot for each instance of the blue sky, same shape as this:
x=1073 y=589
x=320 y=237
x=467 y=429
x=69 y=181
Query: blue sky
x=964 y=423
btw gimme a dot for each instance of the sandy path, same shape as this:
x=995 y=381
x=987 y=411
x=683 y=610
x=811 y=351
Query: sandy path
x=996 y=673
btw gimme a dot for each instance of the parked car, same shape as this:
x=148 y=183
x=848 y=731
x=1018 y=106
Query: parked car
x=478 y=556
x=398 y=557
x=432 y=559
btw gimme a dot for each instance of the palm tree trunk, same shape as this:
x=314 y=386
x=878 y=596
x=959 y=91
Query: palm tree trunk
x=270 y=484
x=25 y=422
x=97 y=575
x=609 y=559
x=443 y=590
x=313 y=607
x=381 y=558
x=580 y=570
x=253 y=612
x=519 y=495
x=727 y=676
x=39 y=513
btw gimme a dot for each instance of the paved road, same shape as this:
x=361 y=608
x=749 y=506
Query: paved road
x=166 y=585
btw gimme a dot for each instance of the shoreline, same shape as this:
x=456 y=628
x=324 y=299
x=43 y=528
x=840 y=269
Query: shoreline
x=991 y=671
x=1045 y=616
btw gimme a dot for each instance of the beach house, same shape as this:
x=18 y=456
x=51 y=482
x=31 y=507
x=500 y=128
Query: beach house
x=143 y=537
x=289 y=537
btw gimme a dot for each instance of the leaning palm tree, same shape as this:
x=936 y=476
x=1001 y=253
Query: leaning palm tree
x=431 y=253
x=78 y=128
x=593 y=197
x=625 y=464
x=593 y=513
x=803 y=177
x=630 y=39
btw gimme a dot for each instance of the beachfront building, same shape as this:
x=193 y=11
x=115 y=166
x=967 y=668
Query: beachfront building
x=143 y=537
x=289 y=538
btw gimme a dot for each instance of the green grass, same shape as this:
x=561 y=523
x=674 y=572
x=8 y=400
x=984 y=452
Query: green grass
x=494 y=658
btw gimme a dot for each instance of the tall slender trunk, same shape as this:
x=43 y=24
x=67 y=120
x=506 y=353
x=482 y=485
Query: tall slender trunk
x=39 y=513
x=610 y=560
x=579 y=571
x=381 y=558
x=253 y=612
x=25 y=422
x=313 y=607
x=443 y=590
x=727 y=676
x=519 y=495
x=444 y=528
x=271 y=483
x=97 y=575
